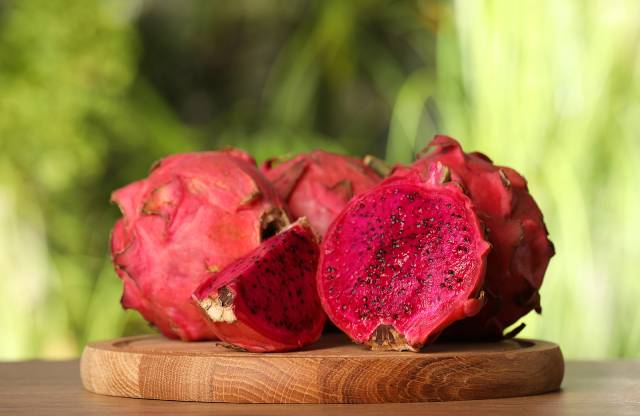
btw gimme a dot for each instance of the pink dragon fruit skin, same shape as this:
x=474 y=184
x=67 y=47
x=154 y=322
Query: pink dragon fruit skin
x=521 y=250
x=403 y=261
x=318 y=185
x=266 y=301
x=193 y=215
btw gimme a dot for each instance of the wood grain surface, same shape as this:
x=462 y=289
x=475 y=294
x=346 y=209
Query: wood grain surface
x=333 y=371
x=54 y=388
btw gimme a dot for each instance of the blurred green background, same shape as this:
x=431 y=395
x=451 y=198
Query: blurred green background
x=92 y=92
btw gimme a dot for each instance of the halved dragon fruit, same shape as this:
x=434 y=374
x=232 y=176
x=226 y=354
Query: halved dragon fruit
x=403 y=261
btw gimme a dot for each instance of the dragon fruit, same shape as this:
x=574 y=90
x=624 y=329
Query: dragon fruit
x=319 y=184
x=521 y=250
x=403 y=261
x=193 y=215
x=267 y=300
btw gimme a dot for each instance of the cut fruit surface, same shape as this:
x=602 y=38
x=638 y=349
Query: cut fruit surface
x=403 y=261
x=267 y=301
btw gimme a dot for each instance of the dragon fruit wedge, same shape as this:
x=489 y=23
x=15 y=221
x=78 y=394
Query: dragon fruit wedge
x=193 y=215
x=403 y=261
x=266 y=301
x=521 y=250
x=318 y=185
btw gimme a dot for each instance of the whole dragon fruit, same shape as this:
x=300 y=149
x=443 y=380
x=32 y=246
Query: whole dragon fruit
x=193 y=215
x=267 y=301
x=521 y=250
x=318 y=185
x=403 y=261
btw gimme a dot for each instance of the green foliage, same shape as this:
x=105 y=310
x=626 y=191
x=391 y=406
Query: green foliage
x=92 y=92
x=559 y=101
x=70 y=132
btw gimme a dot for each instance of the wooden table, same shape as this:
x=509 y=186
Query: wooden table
x=53 y=388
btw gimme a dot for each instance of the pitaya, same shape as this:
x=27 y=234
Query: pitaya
x=403 y=261
x=318 y=185
x=521 y=250
x=267 y=300
x=193 y=215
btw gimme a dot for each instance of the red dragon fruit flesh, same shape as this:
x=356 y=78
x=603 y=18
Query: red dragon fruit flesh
x=194 y=214
x=403 y=261
x=318 y=185
x=520 y=248
x=267 y=301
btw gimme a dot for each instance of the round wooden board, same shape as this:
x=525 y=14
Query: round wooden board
x=332 y=371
